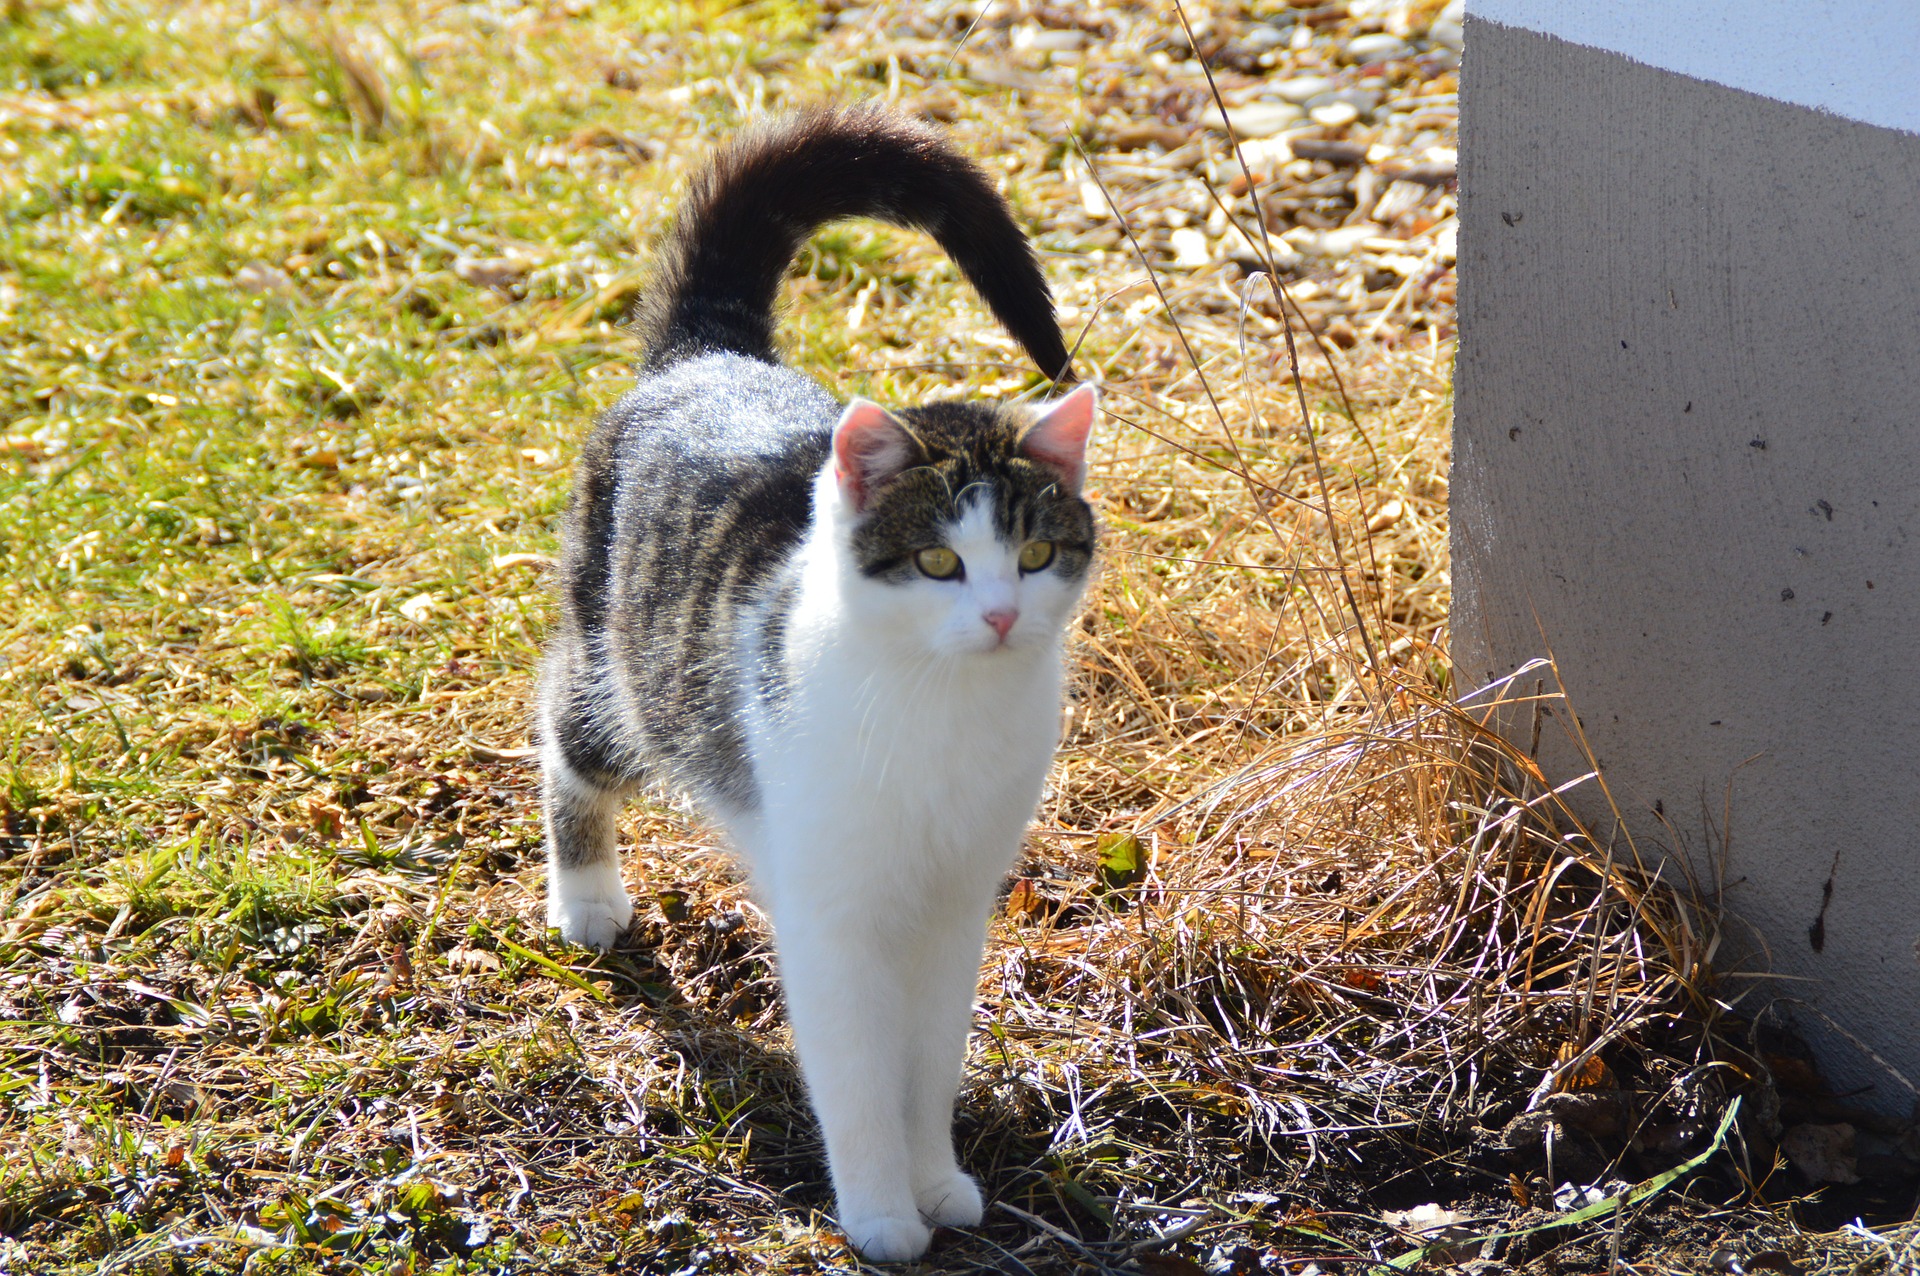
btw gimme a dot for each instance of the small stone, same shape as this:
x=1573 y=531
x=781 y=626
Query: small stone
x=1402 y=197
x=1334 y=115
x=1428 y=174
x=1824 y=1153
x=489 y=272
x=1266 y=152
x=1258 y=119
x=1330 y=243
x=1249 y=259
x=1136 y=134
x=1365 y=101
x=1092 y=201
x=1601 y=1113
x=418 y=607
x=1301 y=88
x=1000 y=76
x=1345 y=154
x=1049 y=41
x=1376 y=48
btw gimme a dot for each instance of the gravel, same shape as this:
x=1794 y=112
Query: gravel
x=1345 y=114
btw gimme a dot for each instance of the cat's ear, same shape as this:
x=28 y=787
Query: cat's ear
x=1058 y=439
x=869 y=447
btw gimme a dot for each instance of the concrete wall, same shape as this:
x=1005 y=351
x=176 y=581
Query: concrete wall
x=1687 y=453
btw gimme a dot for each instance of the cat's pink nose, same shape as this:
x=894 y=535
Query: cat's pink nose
x=1002 y=620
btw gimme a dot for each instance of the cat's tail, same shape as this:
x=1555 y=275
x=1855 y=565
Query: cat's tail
x=718 y=272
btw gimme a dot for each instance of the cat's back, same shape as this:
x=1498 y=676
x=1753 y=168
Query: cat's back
x=707 y=463
x=722 y=410
x=691 y=498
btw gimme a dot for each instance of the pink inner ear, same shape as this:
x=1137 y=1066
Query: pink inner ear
x=869 y=447
x=1059 y=438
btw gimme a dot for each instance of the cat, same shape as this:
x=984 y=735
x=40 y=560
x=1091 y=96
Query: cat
x=838 y=628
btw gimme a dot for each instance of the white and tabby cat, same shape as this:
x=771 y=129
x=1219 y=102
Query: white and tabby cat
x=839 y=628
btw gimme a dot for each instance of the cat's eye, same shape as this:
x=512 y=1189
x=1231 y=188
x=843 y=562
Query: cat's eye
x=939 y=562
x=1035 y=554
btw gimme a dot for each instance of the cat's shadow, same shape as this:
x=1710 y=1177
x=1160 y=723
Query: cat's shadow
x=706 y=997
x=726 y=1086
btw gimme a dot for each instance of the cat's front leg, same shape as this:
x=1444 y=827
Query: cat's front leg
x=949 y=980
x=846 y=1002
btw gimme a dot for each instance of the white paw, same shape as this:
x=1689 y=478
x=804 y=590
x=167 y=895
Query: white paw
x=588 y=908
x=885 y=1239
x=953 y=1201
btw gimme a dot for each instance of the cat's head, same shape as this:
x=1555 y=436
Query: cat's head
x=963 y=528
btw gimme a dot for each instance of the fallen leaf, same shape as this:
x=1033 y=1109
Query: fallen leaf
x=472 y=959
x=1123 y=861
x=325 y=817
x=1023 y=900
x=1591 y=1075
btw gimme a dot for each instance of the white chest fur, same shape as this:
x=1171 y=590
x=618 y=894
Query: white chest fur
x=908 y=779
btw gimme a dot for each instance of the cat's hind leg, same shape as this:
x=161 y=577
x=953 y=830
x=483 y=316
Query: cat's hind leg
x=586 y=898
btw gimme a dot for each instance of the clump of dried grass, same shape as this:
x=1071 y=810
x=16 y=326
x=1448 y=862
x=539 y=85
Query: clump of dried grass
x=1393 y=913
x=1335 y=840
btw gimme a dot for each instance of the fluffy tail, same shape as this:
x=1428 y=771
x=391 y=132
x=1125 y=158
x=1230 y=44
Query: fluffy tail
x=719 y=269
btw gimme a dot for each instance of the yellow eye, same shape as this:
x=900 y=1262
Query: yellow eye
x=940 y=562
x=1035 y=554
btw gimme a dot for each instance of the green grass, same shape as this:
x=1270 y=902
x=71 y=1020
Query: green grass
x=263 y=446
